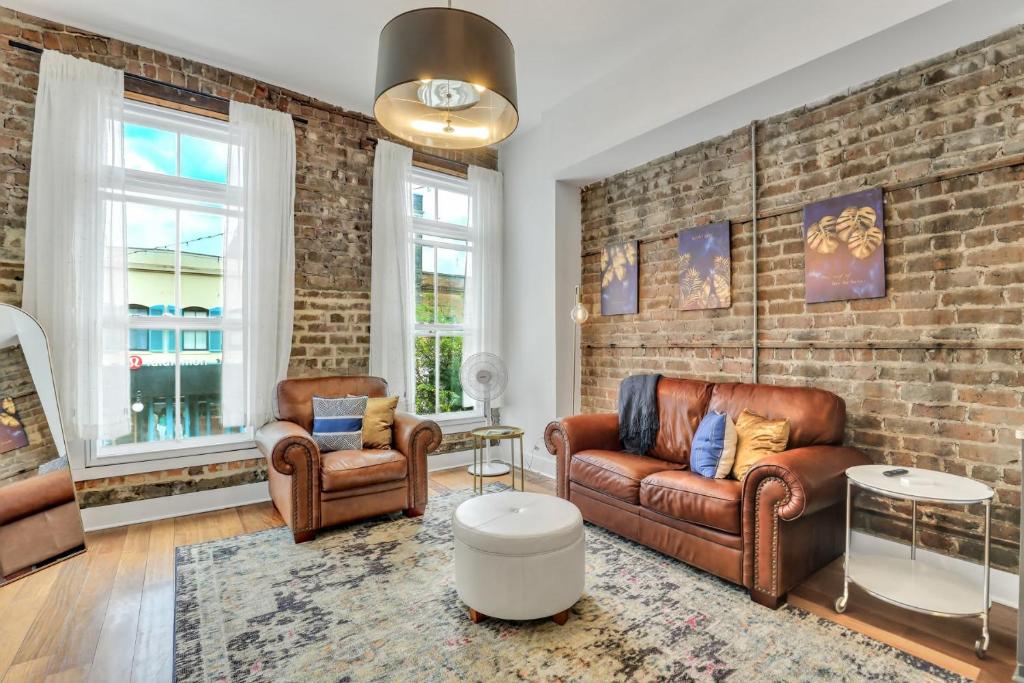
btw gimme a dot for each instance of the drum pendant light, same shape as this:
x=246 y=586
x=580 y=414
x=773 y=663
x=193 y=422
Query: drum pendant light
x=446 y=78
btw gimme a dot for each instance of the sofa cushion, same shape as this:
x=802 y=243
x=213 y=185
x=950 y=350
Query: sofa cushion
x=682 y=404
x=756 y=438
x=615 y=473
x=344 y=470
x=688 y=496
x=816 y=417
x=714 y=446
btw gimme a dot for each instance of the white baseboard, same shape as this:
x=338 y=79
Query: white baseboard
x=152 y=509
x=1005 y=587
x=447 y=461
x=542 y=463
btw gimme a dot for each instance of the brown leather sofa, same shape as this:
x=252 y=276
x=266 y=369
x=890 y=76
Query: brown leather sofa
x=39 y=521
x=784 y=521
x=314 y=490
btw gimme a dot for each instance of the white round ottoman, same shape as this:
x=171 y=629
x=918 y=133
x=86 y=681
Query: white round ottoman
x=518 y=556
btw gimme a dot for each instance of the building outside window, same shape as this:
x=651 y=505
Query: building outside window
x=176 y=211
x=441 y=258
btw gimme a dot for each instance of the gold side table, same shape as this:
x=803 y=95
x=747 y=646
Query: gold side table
x=481 y=436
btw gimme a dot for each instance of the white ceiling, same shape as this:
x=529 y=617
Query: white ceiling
x=328 y=48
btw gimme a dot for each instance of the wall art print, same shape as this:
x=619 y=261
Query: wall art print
x=12 y=431
x=844 y=248
x=620 y=278
x=705 y=267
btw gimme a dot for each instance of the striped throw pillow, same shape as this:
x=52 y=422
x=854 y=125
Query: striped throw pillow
x=338 y=423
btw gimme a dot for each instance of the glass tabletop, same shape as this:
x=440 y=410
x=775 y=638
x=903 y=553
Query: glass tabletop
x=497 y=432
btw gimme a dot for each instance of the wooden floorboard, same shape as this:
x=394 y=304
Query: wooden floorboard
x=108 y=614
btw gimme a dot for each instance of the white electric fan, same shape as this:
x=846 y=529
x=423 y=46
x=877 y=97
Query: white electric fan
x=484 y=376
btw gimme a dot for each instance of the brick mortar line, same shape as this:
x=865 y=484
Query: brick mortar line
x=977 y=169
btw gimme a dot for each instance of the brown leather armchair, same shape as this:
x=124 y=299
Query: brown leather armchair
x=39 y=520
x=314 y=490
x=783 y=522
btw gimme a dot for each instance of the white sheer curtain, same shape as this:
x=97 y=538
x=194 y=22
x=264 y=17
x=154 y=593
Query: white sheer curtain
x=259 y=263
x=390 y=294
x=483 y=282
x=75 y=274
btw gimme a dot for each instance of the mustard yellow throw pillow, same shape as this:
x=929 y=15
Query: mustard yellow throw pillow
x=757 y=437
x=377 y=421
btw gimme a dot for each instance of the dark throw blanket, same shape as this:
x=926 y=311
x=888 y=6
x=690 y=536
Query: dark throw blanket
x=638 y=412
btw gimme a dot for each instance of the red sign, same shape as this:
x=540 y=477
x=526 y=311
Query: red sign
x=134 y=362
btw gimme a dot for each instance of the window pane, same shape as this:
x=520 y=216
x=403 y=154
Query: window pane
x=450 y=396
x=152 y=390
x=423 y=202
x=441 y=240
x=151 y=233
x=451 y=286
x=204 y=159
x=150 y=149
x=424 y=283
x=200 y=393
x=425 y=373
x=453 y=207
x=202 y=263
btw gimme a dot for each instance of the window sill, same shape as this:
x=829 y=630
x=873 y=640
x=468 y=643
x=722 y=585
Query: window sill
x=459 y=423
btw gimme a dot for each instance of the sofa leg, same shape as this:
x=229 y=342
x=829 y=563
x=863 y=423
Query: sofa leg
x=413 y=512
x=769 y=601
x=304 y=536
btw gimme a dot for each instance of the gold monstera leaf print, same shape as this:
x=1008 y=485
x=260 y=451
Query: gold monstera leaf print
x=9 y=421
x=853 y=218
x=8 y=405
x=691 y=287
x=722 y=280
x=863 y=241
x=613 y=263
x=821 y=237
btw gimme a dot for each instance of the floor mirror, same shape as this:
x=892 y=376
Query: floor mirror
x=40 y=523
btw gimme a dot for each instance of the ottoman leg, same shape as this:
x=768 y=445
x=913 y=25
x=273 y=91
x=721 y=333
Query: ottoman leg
x=475 y=616
x=561 y=617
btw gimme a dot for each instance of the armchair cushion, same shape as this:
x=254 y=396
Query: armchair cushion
x=615 y=473
x=691 y=497
x=345 y=470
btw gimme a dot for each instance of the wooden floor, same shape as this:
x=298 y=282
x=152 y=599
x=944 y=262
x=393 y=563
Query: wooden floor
x=108 y=615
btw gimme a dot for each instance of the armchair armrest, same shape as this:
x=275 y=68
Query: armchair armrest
x=292 y=454
x=814 y=477
x=578 y=433
x=415 y=438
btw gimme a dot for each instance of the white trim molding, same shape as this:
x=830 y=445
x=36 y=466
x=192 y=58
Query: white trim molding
x=152 y=509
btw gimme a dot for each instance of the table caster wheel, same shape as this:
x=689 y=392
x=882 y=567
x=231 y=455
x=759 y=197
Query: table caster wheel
x=981 y=647
x=841 y=604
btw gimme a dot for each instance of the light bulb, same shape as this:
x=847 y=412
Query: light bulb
x=579 y=313
x=479 y=132
x=137 y=407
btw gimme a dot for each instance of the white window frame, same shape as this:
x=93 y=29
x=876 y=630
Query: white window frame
x=179 y=194
x=438 y=229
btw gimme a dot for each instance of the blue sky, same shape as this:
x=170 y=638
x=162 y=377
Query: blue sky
x=155 y=151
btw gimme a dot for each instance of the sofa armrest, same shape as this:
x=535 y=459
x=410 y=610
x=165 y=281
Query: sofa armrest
x=792 y=517
x=578 y=433
x=416 y=438
x=814 y=477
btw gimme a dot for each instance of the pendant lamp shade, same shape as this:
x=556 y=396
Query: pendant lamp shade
x=446 y=78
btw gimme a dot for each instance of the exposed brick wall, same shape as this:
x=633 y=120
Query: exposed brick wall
x=931 y=373
x=16 y=383
x=334 y=173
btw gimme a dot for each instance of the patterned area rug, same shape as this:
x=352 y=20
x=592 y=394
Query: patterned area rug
x=376 y=602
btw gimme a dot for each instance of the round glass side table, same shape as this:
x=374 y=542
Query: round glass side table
x=906 y=581
x=481 y=436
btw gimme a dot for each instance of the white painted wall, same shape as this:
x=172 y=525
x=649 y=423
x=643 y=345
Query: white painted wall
x=664 y=100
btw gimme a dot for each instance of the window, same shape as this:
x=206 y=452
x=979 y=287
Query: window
x=175 y=214
x=441 y=258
